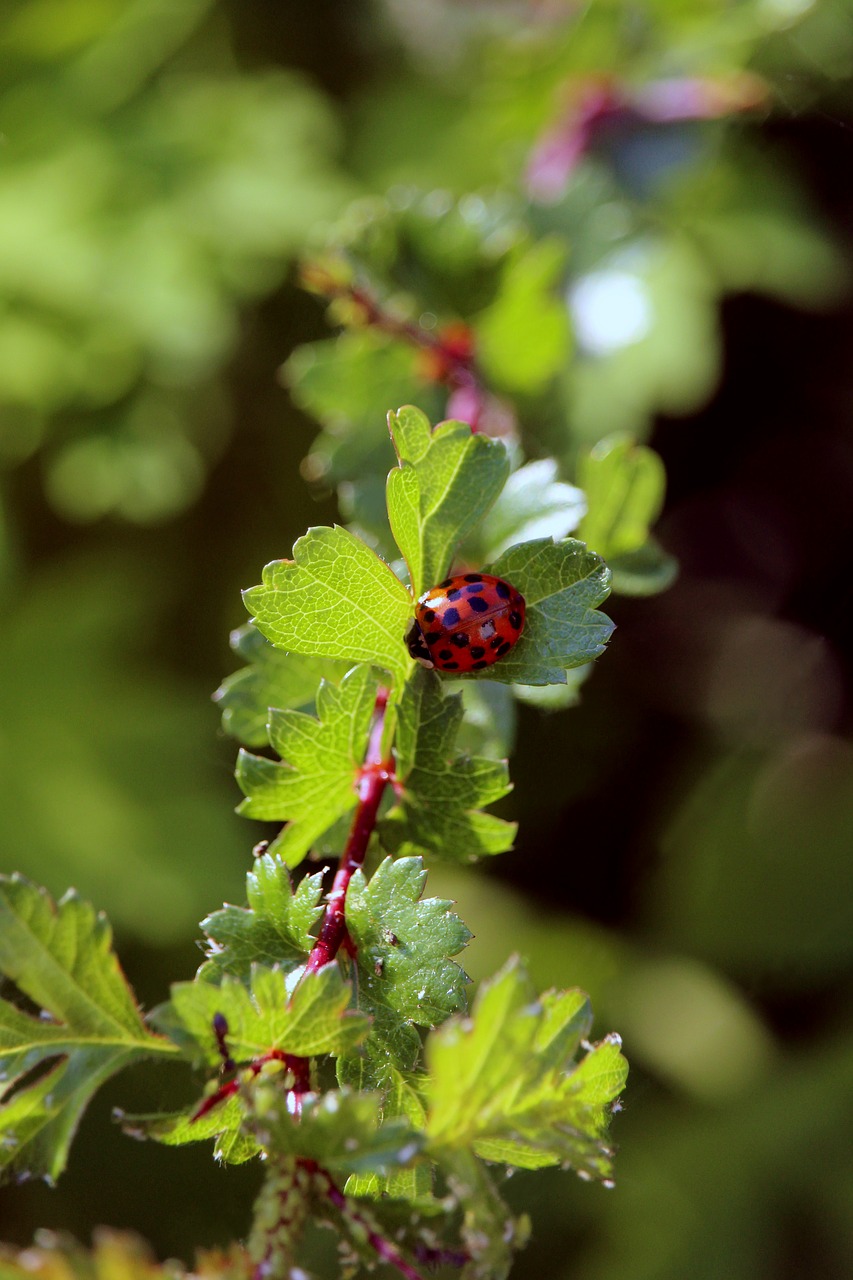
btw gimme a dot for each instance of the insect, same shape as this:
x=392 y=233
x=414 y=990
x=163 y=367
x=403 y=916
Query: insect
x=466 y=623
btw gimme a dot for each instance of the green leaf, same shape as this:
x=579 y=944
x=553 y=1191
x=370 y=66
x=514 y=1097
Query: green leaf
x=272 y=930
x=446 y=481
x=438 y=811
x=60 y=956
x=490 y=1233
x=303 y=1014
x=272 y=679
x=506 y=1081
x=347 y=384
x=488 y=726
x=552 y=697
x=523 y=338
x=316 y=781
x=624 y=483
x=643 y=572
x=335 y=599
x=562 y=583
x=400 y=1100
x=343 y=1131
x=533 y=504
x=404 y=946
x=224 y=1123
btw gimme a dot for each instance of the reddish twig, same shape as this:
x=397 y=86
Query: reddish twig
x=375 y=774
x=387 y=1251
x=448 y=357
x=299 y=1068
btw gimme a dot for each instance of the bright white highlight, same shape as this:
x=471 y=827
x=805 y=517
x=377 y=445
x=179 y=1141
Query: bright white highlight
x=610 y=309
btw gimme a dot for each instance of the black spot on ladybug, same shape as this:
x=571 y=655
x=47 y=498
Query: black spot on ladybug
x=477 y=651
x=432 y=637
x=450 y=618
x=478 y=666
x=447 y=582
x=451 y=666
x=497 y=642
x=460 y=640
x=444 y=654
x=515 y=620
x=479 y=605
x=503 y=647
x=474 y=588
x=454 y=594
x=472 y=577
x=503 y=589
x=428 y=615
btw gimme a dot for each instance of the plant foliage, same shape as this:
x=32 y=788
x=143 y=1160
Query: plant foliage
x=291 y=984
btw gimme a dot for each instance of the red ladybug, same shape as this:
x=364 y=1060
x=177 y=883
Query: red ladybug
x=466 y=623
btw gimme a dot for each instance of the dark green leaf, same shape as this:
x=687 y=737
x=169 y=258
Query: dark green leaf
x=272 y=930
x=562 y=583
x=442 y=793
x=343 y=1131
x=405 y=944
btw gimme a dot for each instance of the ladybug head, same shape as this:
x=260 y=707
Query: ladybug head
x=417 y=645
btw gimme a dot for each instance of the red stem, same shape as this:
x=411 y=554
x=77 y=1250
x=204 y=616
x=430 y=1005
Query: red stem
x=457 y=368
x=375 y=775
x=413 y=333
x=385 y=1249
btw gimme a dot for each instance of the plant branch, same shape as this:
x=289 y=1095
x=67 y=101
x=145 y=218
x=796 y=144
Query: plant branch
x=375 y=774
x=447 y=357
x=387 y=1251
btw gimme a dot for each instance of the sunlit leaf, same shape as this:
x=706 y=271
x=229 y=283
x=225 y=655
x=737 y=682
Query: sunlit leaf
x=523 y=338
x=507 y=1080
x=334 y=599
x=315 y=782
x=59 y=955
x=446 y=480
x=304 y=1016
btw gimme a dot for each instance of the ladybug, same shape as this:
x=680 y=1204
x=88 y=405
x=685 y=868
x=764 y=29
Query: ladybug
x=466 y=623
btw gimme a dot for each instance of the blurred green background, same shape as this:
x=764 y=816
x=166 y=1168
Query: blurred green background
x=686 y=835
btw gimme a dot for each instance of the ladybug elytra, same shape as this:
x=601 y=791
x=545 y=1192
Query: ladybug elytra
x=466 y=623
